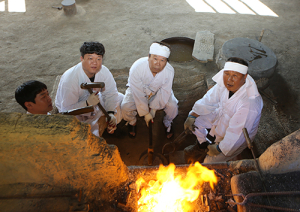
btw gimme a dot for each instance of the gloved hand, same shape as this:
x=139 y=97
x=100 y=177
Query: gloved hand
x=212 y=150
x=148 y=117
x=112 y=124
x=152 y=112
x=93 y=99
x=189 y=124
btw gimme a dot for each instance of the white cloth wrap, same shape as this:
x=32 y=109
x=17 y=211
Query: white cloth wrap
x=249 y=84
x=160 y=50
x=232 y=66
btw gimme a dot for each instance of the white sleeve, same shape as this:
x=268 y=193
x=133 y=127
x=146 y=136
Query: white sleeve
x=110 y=93
x=244 y=117
x=209 y=102
x=136 y=85
x=67 y=98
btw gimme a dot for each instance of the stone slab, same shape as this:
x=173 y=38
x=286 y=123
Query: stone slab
x=204 y=47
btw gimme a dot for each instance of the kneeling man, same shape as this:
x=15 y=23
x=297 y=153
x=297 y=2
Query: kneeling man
x=150 y=89
x=229 y=106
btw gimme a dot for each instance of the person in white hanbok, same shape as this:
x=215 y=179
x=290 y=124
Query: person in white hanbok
x=70 y=95
x=150 y=89
x=217 y=119
x=34 y=97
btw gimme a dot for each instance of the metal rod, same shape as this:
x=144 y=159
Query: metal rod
x=273 y=207
x=175 y=143
x=279 y=193
x=250 y=146
x=236 y=166
x=150 y=148
x=246 y=198
x=261 y=35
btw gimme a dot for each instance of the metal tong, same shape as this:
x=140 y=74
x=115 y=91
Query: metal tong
x=170 y=147
x=246 y=198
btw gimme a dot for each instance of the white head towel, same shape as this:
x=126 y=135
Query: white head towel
x=231 y=66
x=160 y=50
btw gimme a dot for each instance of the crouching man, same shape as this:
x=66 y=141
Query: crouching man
x=229 y=106
x=34 y=97
x=70 y=95
x=150 y=89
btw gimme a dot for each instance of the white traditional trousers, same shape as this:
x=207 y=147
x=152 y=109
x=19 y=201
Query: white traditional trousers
x=204 y=122
x=129 y=112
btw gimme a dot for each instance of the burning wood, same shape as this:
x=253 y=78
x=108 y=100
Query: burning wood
x=173 y=193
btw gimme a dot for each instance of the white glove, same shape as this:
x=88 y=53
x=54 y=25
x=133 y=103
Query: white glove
x=148 y=117
x=152 y=112
x=93 y=99
x=189 y=124
x=112 y=124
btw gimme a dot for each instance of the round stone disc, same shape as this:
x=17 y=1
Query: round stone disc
x=261 y=59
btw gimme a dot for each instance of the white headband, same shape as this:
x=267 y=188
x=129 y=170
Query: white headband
x=160 y=50
x=232 y=66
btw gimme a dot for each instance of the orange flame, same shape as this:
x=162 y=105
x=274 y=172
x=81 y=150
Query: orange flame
x=170 y=193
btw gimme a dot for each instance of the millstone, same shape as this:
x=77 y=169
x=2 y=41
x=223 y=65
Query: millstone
x=261 y=59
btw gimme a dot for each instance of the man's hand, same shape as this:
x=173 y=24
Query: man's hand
x=152 y=112
x=148 y=117
x=93 y=99
x=189 y=124
x=112 y=124
x=213 y=150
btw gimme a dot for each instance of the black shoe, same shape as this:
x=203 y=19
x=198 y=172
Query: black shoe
x=131 y=129
x=170 y=133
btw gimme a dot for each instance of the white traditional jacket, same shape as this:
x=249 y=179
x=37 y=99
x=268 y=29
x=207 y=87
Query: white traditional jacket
x=70 y=95
x=144 y=85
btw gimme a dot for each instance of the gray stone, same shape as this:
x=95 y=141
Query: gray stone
x=262 y=60
x=282 y=156
x=59 y=151
x=204 y=47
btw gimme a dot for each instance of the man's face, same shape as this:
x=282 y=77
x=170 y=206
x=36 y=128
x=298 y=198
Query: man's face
x=157 y=63
x=91 y=64
x=42 y=105
x=233 y=80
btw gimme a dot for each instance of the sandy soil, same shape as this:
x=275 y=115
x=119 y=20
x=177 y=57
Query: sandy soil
x=42 y=43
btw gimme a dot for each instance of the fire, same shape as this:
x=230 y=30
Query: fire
x=170 y=193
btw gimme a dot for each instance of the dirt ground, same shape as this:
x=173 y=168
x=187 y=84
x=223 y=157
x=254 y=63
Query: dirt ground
x=43 y=43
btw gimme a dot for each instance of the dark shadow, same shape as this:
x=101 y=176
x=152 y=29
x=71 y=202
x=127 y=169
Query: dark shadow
x=285 y=95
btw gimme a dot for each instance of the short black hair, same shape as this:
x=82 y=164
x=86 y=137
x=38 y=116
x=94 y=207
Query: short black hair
x=28 y=91
x=237 y=60
x=92 y=48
